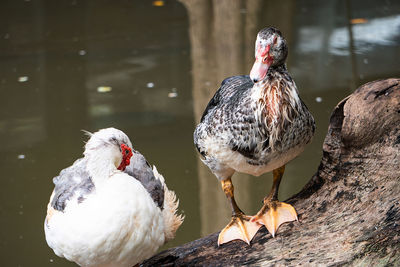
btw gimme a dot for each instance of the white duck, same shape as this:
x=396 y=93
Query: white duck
x=109 y=210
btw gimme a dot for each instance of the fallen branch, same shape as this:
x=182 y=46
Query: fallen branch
x=349 y=213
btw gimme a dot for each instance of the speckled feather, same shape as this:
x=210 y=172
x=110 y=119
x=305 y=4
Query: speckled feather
x=239 y=120
x=229 y=116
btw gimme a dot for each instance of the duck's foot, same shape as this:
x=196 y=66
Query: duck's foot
x=273 y=214
x=241 y=228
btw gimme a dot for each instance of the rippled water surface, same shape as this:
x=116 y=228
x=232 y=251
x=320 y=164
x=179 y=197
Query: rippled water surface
x=149 y=69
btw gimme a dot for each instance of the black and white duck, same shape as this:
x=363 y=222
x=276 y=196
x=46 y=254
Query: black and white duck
x=255 y=124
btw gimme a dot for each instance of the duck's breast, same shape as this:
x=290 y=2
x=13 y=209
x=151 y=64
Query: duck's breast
x=118 y=223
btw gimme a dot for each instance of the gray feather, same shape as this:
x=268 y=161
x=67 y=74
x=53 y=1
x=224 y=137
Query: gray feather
x=72 y=182
x=141 y=170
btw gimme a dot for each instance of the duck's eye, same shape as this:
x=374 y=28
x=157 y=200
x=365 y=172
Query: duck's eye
x=125 y=150
x=265 y=59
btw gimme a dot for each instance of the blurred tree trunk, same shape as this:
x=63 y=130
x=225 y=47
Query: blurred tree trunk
x=349 y=213
x=217 y=52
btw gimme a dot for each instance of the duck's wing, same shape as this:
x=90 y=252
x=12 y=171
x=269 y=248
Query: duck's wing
x=155 y=185
x=141 y=170
x=229 y=88
x=230 y=109
x=73 y=183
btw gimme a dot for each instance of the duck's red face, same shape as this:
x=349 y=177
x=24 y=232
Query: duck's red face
x=263 y=61
x=126 y=157
x=270 y=51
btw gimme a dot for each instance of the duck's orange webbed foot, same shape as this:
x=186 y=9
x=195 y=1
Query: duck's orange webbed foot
x=240 y=227
x=273 y=214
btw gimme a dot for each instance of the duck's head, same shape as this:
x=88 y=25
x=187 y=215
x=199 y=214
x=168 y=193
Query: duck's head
x=270 y=51
x=109 y=145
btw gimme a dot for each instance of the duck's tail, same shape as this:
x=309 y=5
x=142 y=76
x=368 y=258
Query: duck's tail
x=172 y=220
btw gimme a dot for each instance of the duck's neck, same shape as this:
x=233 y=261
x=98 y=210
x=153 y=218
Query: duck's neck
x=276 y=99
x=101 y=165
x=276 y=89
x=272 y=72
x=280 y=68
x=268 y=96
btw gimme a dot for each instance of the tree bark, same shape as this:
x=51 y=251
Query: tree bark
x=349 y=212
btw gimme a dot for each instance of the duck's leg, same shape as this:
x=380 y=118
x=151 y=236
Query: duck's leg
x=274 y=213
x=240 y=227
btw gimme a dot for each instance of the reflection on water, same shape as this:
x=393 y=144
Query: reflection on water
x=150 y=71
x=366 y=36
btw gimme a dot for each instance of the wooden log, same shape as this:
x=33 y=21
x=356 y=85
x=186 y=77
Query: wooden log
x=349 y=212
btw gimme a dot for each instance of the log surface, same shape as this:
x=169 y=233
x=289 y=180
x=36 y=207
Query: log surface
x=349 y=212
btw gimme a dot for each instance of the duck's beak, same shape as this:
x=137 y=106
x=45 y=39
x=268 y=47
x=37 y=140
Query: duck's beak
x=259 y=71
x=261 y=65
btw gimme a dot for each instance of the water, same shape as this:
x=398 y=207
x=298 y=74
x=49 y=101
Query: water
x=156 y=67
